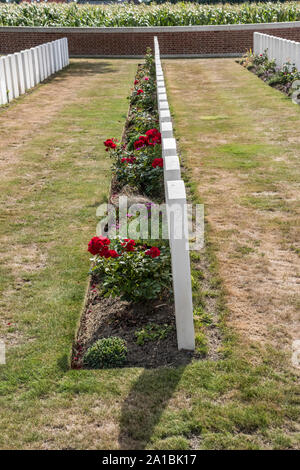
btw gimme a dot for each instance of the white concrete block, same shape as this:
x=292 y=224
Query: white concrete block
x=3 y=86
x=172 y=168
x=163 y=105
x=162 y=97
x=169 y=147
x=165 y=115
x=161 y=90
x=166 y=130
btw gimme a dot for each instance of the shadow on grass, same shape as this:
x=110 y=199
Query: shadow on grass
x=83 y=67
x=143 y=407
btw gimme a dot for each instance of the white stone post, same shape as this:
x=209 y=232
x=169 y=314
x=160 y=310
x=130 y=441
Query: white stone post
x=3 y=86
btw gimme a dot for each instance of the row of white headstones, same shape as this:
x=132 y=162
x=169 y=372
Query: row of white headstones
x=175 y=195
x=23 y=70
x=282 y=50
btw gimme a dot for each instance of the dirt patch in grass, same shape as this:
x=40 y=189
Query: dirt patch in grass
x=247 y=174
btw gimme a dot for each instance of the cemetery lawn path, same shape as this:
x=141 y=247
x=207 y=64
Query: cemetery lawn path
x=240 y=139
x=54 y=173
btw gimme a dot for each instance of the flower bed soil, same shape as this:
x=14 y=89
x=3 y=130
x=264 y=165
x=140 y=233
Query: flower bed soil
x=104 y=317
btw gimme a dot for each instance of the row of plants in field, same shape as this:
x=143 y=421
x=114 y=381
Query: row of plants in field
x=136 y=271
x=167 y=14
x=285 y=78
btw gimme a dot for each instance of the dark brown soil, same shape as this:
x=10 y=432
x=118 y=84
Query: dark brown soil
x=104 y=317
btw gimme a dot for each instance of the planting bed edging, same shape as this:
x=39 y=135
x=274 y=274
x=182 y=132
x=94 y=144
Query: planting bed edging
x=191 y=41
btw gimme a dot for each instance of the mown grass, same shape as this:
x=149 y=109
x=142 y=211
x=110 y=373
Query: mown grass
x=225 y=124
x=245 y=400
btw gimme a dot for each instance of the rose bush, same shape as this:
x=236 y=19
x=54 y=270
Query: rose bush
x=131 y=269
x=279 y=77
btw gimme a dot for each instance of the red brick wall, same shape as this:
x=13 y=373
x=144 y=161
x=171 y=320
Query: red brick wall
x=134 y=41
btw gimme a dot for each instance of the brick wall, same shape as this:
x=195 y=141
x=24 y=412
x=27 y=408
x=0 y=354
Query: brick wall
x=179 y=40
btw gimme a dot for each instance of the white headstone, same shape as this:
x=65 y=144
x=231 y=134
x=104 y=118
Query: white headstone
x=3 y=87
x=25 y=64
x=20 y=73
x=14 y=75
x=8 y=78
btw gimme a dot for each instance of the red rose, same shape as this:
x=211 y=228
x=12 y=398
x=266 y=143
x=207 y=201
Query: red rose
x=138 y=144
x=95 y=245
x=154 y=137
x=104 y=240
x=139 y=92
x=158 y=162
x=136 y=82
x=104 y=252
x=128 y=244
x=109 y=143
x=131 y=159
x=113 y=254
x=153 y=252
x=146 y=78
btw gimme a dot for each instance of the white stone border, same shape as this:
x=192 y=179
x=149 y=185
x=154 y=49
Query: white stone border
x=282 y=50
x=175 y=196
x=23 y=70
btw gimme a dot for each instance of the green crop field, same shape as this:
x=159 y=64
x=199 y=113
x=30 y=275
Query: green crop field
x=167 y=14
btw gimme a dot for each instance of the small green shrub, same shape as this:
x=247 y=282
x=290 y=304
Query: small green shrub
x=106 y=353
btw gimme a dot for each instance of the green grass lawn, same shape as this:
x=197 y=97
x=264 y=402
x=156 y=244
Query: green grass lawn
x=57 y=176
